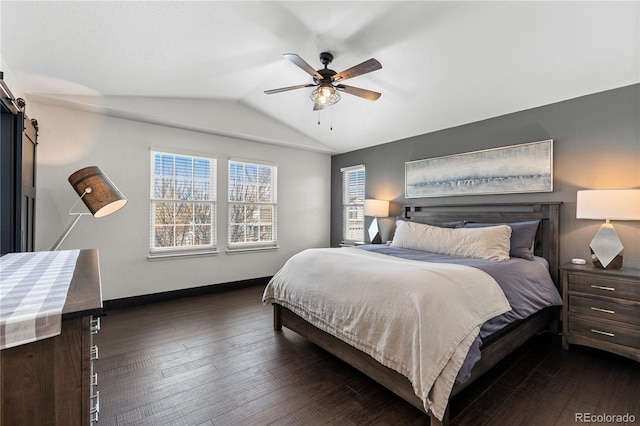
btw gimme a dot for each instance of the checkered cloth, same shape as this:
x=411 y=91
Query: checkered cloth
x=33 y=291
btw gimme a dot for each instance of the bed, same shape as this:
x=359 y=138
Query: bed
x=387 y=342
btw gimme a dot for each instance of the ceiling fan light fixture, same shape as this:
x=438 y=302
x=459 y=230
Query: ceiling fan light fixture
x=325 y=95
x=325 y=81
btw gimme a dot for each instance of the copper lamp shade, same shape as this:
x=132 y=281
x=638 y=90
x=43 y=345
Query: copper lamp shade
x=98 y=193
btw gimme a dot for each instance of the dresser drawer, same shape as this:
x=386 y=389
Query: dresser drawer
x=609 y=287
x=605 y=332
x=604 y=309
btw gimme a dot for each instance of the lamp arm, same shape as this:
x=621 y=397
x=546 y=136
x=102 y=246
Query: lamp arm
x=70 y=227
x=67 y=231
x=86 y=191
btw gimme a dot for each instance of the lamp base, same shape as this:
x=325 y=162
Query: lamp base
x=616 y=263
x=374 y=232
x=606 y=248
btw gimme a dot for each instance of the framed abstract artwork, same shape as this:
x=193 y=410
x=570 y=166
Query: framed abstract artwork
x=511 y=169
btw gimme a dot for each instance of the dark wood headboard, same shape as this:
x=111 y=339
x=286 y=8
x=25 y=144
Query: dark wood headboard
x=547 y=239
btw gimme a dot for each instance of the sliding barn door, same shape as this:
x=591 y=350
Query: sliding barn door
x=18 y=143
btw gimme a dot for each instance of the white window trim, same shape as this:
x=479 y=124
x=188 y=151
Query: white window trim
x=158 y=254
x=252 y=249
x=166 y=253
x=343 y=170
x=237 y=248
x=350 y=168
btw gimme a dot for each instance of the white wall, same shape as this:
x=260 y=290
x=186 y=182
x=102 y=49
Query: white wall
x=70 y=139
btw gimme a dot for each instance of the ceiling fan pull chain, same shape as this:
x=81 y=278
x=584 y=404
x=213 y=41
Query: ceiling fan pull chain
x=331 y=118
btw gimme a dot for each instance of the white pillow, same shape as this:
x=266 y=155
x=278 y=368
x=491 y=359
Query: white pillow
x=490 y=243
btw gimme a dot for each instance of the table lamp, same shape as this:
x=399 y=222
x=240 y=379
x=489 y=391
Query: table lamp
x=376 y=209
x=608 y=204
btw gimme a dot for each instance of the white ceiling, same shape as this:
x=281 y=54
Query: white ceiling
x=444 y=63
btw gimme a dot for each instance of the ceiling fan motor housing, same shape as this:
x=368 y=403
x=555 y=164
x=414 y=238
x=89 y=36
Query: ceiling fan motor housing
x=326 y=58
x=326 y=73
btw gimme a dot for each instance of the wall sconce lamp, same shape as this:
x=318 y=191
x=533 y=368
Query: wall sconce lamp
x=376 y=209
x=608 y=204
x=98 y=193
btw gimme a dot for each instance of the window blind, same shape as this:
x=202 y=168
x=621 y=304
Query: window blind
x=353 y=193
x=252 y=205
x=183 y=202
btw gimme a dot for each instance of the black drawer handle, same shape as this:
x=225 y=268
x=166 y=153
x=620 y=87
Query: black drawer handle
x=606 y=311
x=601 y=287
x=605 y=333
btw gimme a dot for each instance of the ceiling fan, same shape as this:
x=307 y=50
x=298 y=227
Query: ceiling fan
x=327 y=82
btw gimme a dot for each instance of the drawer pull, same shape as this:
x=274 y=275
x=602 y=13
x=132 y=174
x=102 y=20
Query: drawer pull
x=95 y=409
x=94 y=352
x=95 y=325
x=606 y=311
x=94 y=379
x=601 y=287
x=605 y=333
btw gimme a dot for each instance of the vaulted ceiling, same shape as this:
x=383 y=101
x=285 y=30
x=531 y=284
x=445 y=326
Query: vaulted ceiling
x=444 y=63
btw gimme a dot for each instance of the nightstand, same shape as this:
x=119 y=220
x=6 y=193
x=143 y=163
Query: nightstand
x=601 y=309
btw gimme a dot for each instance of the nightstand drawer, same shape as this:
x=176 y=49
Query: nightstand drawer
x=629 y=337
x=609 y=287
x=604 y=309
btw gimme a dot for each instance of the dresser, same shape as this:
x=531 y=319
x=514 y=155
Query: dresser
x=51 y=381
x=601 y=309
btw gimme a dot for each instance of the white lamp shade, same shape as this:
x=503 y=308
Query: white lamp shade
x=377 y=208
x=613 y=204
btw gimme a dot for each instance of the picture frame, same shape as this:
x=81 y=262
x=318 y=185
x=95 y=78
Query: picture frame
x=510 y=169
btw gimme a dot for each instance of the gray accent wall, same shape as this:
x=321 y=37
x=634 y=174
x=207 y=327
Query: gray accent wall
x=596 y=146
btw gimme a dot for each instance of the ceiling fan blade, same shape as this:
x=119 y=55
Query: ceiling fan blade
x=318 y=107
x=363 y=68
x=285 y=89
x=297 y=60
x=363 y=93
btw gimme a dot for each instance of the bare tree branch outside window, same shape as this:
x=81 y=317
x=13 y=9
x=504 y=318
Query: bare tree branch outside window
x=182 y=201
x=252 y=204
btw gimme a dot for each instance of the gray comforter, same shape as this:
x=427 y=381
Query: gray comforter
x=526 y=284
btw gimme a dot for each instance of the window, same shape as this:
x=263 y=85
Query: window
x=183 y=202
x=353 y=203
x=252 y=205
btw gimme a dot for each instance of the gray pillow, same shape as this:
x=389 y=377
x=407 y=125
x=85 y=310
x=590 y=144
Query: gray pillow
x=523 y=235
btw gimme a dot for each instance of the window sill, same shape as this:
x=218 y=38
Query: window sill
x=241 y=250
x=169 y=255
x=352 y=243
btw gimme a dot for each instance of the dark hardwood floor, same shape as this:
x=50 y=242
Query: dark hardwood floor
x=215 y=360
